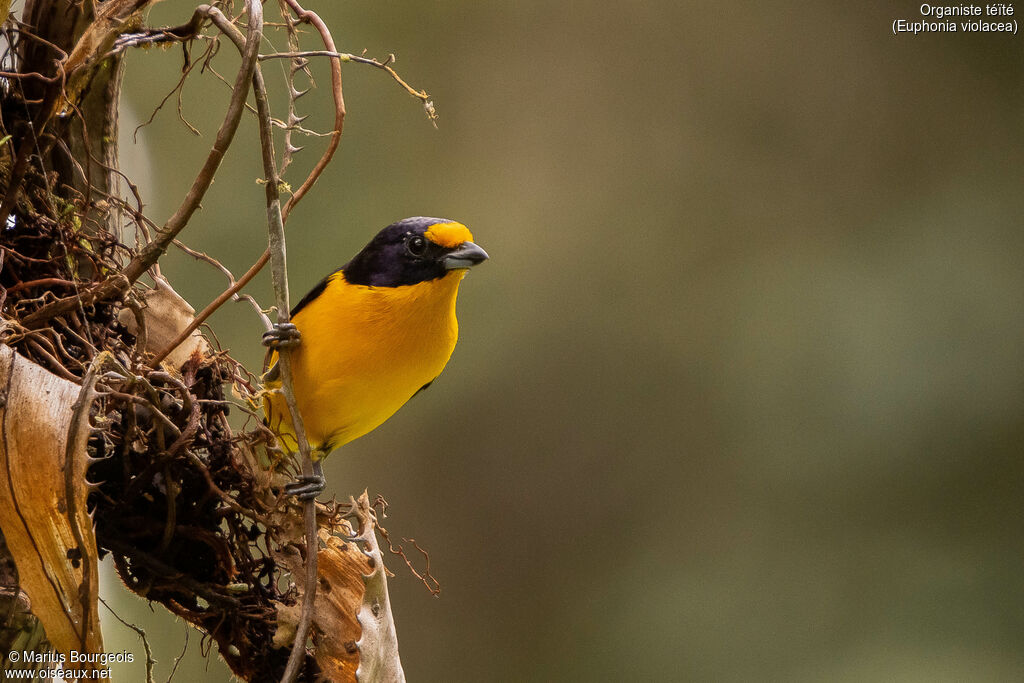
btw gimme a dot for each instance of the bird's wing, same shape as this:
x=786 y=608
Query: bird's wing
x=317 y=290
x=424 y=387
x=273 y=373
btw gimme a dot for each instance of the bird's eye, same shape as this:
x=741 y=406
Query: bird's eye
x=416 y=245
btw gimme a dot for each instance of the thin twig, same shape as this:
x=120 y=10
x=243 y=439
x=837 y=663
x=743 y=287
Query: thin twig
x=421 y=95
x=150 y=662
x=200 y=256
x=177 y=660
x=426 y=578
x=178 y=87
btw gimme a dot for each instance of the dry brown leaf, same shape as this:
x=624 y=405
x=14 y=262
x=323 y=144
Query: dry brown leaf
x=340 y=570
x=48 y=532
x=166 y=314
x=354 y=631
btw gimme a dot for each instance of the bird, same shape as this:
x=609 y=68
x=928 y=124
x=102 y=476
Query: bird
x=369 y=337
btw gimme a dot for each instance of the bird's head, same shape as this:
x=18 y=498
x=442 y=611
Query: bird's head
x=414 y=250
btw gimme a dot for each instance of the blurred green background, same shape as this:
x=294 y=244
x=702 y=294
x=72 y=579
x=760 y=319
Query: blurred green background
x=739 y=394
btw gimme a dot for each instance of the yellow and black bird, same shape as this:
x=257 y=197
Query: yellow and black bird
x=370 y=336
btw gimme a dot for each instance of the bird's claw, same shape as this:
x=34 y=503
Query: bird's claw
x=306 y=486
x=282 y=336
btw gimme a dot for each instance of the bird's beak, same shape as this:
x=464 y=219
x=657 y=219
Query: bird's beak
x=466 y=255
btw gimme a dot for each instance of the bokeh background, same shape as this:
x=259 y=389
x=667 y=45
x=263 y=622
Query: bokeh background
x=739 y=394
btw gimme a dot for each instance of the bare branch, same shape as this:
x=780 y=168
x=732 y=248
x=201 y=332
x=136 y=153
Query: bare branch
x=157 y=36
x=310 y=17
x=421 y=95
x=294 y=93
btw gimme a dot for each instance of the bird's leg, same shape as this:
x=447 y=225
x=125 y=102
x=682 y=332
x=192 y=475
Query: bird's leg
x=305 y=487
x=308 y=486
x=282 y=336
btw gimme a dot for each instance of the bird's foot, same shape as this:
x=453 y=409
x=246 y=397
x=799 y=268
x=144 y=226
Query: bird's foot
x=282 y=336
x=306 y=486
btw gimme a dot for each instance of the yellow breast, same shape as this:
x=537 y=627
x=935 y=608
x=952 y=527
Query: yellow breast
x=365 y=351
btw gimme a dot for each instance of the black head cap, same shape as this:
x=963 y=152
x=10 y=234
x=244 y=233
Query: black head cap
x=413 y=250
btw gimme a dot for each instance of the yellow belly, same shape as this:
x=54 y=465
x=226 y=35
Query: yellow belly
x=365 y=351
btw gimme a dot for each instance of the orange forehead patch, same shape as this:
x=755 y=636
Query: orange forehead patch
x=448 y=234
